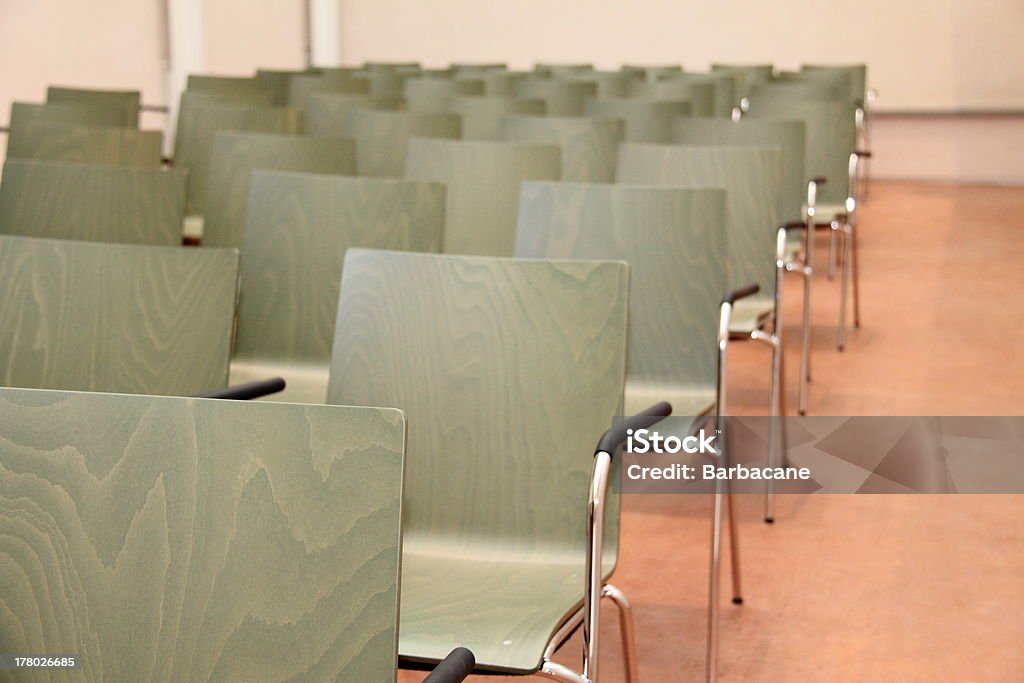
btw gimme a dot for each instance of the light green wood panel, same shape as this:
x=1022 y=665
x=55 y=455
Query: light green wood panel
x=60 y=200
x=608 y=83
x=385 y=82
x=173 y=539
x=392 y=66
x=857 y=76
x=747 y=75
x=646 y=120
x=236 y=155
x=655 y=72
x=588 y=146
x=199 y=122
x=126 y=100
x=788 y=136
x=496 y=83
x=237 y=97
x=113 y=317
x=701 y=96
x=325 y=111
x=432 y=95
x=476 y=68
x=556 y=70
x=23 y=113
x=831 y=137
x=483 y=180
x=674 y=242
x=750 y=175
x=382 y=137
x=725 y=89
x=302 y=86
x=790 y=90
x=224 y=83
x=561 y=98
x=482 y=116
x=277 y=82
x=508 y=371
x=86 y=144
x=299 y=228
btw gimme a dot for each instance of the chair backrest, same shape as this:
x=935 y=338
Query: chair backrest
x=483 y=180
x=831 y=127
x=195 y=539
x=127 y=101
x=646 y=120
x=60 y=200
x=482 y=116
x=86 y=144
x=225 y=84
x=651 y=73
x=726 y=89
x=325 y=111
x=238 y=97
x=431 y=95
x=750 y=175
x=382 y=137
x=674 y=241
x=788 y=136
x=748 y=74
x=789 y=90
x=700 y=94
x=236 y=155
x=299 y=228
x=496 y=83
x=588 y=146
x=557 y=70
x=23 y=113
x=277 y=81
x=112 y=317
x=506 y=370
x=385 y=82
x=608 y=83
x=199 y=122
x=302 y=86
x=561 y=97
x=857 y=76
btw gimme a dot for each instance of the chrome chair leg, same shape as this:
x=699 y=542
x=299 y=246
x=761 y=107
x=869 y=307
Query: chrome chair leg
x=847 y=246
x=832 y=251
x=805 y=351
x=627 y=630
x=711 y=664
x=854 y=263
x=734 y=546
x=559 y=672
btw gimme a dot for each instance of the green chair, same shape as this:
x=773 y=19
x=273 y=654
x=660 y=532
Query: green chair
x=278 y=82
x=559 y=69
x=588 y=146
x=263 y=98
x=299 y=228
x=726 y=89
x=755 y=243
x=789 y=90
x=162 y=538
x=60 y=200
x=385 y=83
x=23 y=113
x=507 y=370
x=432 y=95
x=225 y=84
x=496 y=83
x=82 y=316
x=325 y=111
x=474 y=68
x=482 y=116
x=235 y=156
x=482 y=180
x=651 y=73
x=199 y=122
x=646 y=120
x=747 y=76
x=674 y=241
x=561 y=98
x=607 y=83
x=128 y=101
x=392 y=66
x=302 y=86
x=85 y=144
x=382 y=137
x=700 y=94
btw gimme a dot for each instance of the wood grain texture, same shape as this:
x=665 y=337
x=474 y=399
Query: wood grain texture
x=831 y=137
x=674 y=242
x=171 y=539
x=382 y=137
x=127 y=101
x=751 y=177
x=589 y=147
x=561 y=98
x=199 y=121
x=701 y=96
x=235 y=156
x=483 y=181
x=508 y=371
x=61 y=112
x=788 y=136
x=61 y=200
x=111 y=317
x=482 y=116
x=646 y=120
x=299 y=228
x=431 y=95
x=86 y=144
x=326 y=111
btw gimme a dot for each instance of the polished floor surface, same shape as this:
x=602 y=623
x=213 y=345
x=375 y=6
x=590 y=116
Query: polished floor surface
x=861 y=588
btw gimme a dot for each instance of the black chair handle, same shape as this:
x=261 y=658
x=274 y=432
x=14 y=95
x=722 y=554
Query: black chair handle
x=614 y=437
x=792 y=225
x=743 y=292
x=247 y=391
x=454 y=668
x=819 y=180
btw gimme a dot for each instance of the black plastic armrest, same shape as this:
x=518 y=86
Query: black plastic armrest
x=249 y=390
x=614 y=437
x=743 y=292
x=863 y=153
x=793 y=225
x=454 y=668
x=820 y=180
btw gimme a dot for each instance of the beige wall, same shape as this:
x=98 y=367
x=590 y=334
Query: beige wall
x=243 y=35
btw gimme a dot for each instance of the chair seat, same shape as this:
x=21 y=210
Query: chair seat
x=504 y=608
x=750 y=314
x=303 y=384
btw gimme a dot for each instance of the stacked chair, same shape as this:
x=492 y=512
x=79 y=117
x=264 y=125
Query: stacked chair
x=446 y=284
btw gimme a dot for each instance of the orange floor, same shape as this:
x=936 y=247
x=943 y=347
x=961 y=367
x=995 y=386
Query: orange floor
x=862 y=588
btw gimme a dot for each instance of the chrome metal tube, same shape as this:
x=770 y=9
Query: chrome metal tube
x=592 y=571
